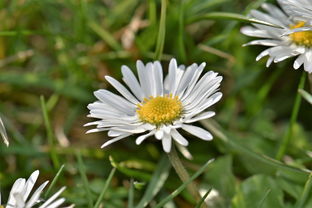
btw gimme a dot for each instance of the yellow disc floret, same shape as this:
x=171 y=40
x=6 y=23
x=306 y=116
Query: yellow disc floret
x=301 y=38
x=160 y=110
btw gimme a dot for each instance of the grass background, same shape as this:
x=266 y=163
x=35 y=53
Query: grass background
x=55 y=53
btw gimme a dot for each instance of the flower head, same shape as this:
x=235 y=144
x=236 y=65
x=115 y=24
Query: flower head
x=154 y=106
x=287 y=41
x=300 y=10
x=20 y=194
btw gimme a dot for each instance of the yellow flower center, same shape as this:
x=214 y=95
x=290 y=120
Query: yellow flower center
x=301 y=38
x=160 y=110
x=1 y=206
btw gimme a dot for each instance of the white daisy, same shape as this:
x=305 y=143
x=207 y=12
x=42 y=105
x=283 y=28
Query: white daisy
x=281 y=46
x=298 y=9
x=20 y=194
x=154 y=106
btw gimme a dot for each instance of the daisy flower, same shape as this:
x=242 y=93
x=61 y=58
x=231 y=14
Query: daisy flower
x=154 y=106
x=299 y=9
x=283 y=42
x=20 y=196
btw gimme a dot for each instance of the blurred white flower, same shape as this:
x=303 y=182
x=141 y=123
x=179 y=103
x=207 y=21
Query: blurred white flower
x=20 y=196
x=300 y=10
x=287 y=41
x=156 y=106
x=3 y=133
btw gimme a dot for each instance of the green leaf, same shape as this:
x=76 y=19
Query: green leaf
x=162 y=31
x=105 y=187
x=183 y=186
x=158 y=179
x=229 y=16
x=258 y=191
x=222 y=169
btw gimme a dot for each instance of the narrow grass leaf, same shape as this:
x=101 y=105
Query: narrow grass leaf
x=82 y=171
x=306 y=194
x=129 y=172
x=181 y=33
x=108 y=181
x=131 y=194
x=183 y=186
x=58 y=174
x=51 y=136
x=4 y=133
x=294 y=115
x=202 y=200
x=105 y=35
x=229 y=16
x=243 y=150
x=161 y=31
x=156 y=183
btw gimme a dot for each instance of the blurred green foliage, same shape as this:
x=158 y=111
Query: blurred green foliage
x=62 y=49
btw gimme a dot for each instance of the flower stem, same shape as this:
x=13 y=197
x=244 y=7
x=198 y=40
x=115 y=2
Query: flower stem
x=183 y=174
x=294 y=115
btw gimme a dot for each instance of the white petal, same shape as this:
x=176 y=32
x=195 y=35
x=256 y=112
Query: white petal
x=141 y=138
x=166 y=143
x=115 y=140
x=158 y=73
x=17 y=187
x=30 y=184
x=172 y=75
x=254 y=32
x=299 y=61
x=201 y=116
x=187 y=77
x=264 y=42
x=52 y=198
x=308 y=61
x=121 y=89
x=132 y=82
x=55 y=204
x=115 y=101
x=197 y=131
x=178 y=137
x=34 y=198
x=159 y=134
x=144 y=77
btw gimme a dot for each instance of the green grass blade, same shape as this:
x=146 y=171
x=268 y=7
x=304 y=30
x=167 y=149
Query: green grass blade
x=82 y=171
x=294 y=114
x=4 y=133
x=183 y=186
x=306 y=95
x=305 y=194
x=229 y=16
x=108 y=181
x=56 y=177
x=51 y=136
x=131 y=195
x=202 y=200
x=243 y=150
x=106 y=36
x=162 y=31
x=181 y=33
x=158 y=179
